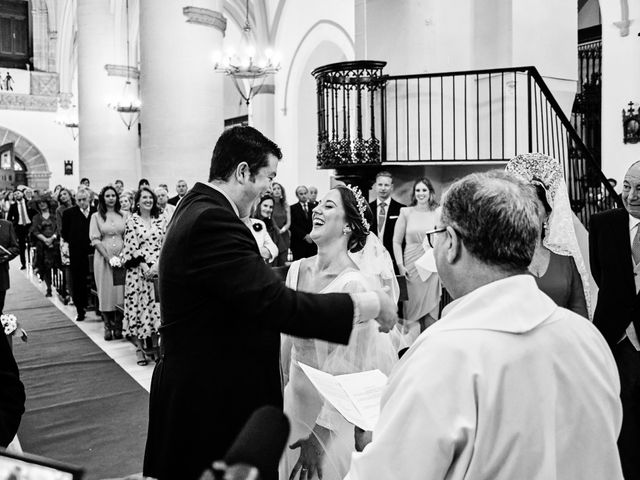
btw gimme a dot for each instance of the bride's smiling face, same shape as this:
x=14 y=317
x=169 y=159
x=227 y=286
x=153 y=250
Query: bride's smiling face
x=328 y=217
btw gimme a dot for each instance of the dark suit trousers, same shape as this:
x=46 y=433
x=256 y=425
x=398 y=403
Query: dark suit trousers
x=628 y=361
x=3 y=295
x=22 y=232
x=79 y=268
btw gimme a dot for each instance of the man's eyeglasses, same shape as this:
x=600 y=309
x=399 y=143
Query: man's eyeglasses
x=430 y=234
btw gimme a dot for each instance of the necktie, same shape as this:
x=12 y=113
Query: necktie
x=23 y=214
x=635 y=246
x=304 y=207
x=382 y=217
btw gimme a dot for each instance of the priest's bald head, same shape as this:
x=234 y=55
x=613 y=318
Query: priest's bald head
x=488 y=227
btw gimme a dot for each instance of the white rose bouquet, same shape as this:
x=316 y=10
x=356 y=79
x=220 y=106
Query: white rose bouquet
x=115 y=262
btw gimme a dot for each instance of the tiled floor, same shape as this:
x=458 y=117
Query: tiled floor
x=121 y=351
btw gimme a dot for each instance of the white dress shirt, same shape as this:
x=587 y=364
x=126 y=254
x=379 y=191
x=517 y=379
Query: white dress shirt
x=631 y=329
x=507 y=385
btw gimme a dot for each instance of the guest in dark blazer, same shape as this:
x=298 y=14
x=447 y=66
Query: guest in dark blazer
x=181 y=190
x=301 y=244
x=385 y=217
x=222 y=313
x=9 y=242
x=12 y=395
x=20 y=214
x=75 y=231
x=614 y=253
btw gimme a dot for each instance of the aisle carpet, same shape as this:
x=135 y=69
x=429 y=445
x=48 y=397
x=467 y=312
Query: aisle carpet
x=82 y=408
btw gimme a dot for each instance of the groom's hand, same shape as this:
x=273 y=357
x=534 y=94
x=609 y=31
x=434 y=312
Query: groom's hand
x=388 y=315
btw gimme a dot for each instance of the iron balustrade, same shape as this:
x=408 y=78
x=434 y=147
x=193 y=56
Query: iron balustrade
x=366 y=118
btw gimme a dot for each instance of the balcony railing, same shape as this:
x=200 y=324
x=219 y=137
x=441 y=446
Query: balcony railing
x=479 y=116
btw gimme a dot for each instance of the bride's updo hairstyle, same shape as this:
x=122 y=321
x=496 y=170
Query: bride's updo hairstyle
x=359 y=222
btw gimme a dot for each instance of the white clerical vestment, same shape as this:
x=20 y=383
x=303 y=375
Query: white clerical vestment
x=505 y=386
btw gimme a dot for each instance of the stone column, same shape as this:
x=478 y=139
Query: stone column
x=182 y=109
x=107 y=149
x=262 y=110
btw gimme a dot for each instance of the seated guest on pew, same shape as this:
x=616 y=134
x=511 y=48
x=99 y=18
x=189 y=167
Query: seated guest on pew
x=423 y=304
x=12 y=396
x=44 y=232
x=75 y=231
x=557 y=265
x=507 y=385
x=9 y=242
x=143 y=238
x=106 y=231
x=263 y=212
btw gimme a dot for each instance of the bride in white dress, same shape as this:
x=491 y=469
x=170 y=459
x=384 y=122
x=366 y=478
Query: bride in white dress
x=321 y=440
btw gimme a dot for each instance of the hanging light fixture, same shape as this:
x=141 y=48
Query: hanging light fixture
x=128 y=105
x=68 y=117
x=247 y=65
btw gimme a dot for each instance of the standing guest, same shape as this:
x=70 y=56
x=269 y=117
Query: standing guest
x=614 y=253
x=28 y=195
x=166 y=208
x=557 y=255
x=507 y=385
x=264 y=213
x=85 y=183
x=6 y=204
x=119 y=184
x=143 y=183
x=75 y=231
x=424 y=296
x=44 y=231
x=126 y=202
x=65 y=201
x=217 y=293
x=181 y=190
x=282 y=218
x=106 y=231
x=165 y=186
x=12 y=396
x=313 y=197
x=144 y=235
x=9 y=242
x=302 y=245
x=385 y=212
x=20 y=215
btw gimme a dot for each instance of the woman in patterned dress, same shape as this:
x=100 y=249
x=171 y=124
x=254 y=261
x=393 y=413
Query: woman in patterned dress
x=143 y=239
x=106 y=232
x=44 y=231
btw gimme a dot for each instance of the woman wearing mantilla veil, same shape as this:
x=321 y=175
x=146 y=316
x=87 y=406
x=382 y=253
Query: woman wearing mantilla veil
x=350 y=259
x=559 y=261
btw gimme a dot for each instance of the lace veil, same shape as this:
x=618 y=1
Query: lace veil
x=560 y=236
x=375 y=263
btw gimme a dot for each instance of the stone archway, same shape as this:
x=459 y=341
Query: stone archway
x=38 y=172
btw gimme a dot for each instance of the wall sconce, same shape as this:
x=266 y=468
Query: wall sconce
x=631 y=124
x=68 y=167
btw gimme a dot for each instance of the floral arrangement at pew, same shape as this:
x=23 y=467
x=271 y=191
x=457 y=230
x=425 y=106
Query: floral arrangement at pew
x=10 y=326
x=118 y=270
x=115 y=262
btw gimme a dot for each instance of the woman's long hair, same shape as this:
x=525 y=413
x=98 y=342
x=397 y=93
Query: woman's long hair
x=72 y=200
x=135 y=208
x=433 y=204
x=102 y=205
x=283 y=199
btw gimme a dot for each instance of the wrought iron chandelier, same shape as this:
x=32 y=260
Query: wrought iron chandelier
x=248 y=66
x=128 y=105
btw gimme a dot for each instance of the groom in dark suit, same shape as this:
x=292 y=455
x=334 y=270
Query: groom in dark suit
x=614 y=253
x=222 y=313
x=385 y=212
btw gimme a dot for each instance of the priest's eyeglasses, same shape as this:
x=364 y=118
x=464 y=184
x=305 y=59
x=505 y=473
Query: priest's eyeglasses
x=430 y=234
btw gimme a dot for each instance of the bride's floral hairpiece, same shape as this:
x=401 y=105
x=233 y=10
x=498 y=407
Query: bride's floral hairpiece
x=362 y=206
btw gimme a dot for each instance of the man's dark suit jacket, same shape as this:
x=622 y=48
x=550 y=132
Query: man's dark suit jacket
x=12 y=395
x=389 y=225
x=612 y=269
x=174 y=200
x=14 y=217
x=222 y=313
x=75 y=231
x=8 y=240
x=301 y=225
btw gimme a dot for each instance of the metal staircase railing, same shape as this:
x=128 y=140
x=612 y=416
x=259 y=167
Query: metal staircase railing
x=367 y=119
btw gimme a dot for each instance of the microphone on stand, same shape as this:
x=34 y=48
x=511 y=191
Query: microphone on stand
x=256 y=451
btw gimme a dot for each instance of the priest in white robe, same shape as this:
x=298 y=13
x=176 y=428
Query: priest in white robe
x=506 y=385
